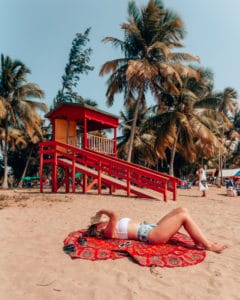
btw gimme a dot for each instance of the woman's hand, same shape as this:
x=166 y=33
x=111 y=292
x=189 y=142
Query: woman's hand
x=106 y=212
x=110 y=214
x=95 y=219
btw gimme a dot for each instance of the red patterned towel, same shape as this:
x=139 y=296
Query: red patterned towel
x=178 y=252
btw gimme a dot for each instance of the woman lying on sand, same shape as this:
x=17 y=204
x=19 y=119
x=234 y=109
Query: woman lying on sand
x=159 y=233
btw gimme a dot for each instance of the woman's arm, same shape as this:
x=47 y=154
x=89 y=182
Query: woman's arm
x=106 y=212
x=110 y=230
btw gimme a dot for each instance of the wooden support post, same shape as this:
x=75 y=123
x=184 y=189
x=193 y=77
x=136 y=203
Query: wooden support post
x=84 y=183
x=84 y=178
x=73 y=173
x=41 y=169
x=67 y=177
x=165 y=192
x=54 y=172
x=174 y=184
x=128 y=182
x=115 y=143
x=99 y=178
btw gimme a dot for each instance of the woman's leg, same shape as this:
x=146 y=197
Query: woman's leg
x=202 y=189
x=172 y=222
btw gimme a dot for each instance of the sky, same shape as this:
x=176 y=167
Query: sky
x=40 y=34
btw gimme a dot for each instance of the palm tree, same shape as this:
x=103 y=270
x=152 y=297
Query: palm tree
x=17 y=109
x=143 y=146
x=32 y=155
x=17 y=139
x=233 y=143
x=227 y=101
x=227 y=105
x=149 y=62
x=191 y=121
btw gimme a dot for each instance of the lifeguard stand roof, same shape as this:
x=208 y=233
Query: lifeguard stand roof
x=96 y=119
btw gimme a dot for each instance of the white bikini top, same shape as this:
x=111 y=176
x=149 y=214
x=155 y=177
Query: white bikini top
x=122 y=228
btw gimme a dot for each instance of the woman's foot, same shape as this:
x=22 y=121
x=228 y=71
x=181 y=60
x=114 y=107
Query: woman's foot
x=215 y=247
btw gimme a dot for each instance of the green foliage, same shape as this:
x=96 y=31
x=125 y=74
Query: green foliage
x=20 y=122
x=143 y=148
x=151 y=35
x=78 y=64
x=17 y=161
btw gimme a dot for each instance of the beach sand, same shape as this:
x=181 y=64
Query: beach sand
x=34 y=266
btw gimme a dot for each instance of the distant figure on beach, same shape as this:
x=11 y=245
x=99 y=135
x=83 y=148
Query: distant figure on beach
x=159 y=233
x=202 y=180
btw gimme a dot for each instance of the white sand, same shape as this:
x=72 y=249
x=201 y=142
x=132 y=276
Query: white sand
x=34 y=266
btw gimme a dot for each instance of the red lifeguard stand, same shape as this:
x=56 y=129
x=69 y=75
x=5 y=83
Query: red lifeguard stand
x=72 y=124
x=76 y=147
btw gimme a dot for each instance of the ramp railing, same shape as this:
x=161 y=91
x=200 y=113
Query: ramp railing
x=106 y=169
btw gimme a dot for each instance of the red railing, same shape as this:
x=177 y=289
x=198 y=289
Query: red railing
x=95 y=143
x=106 y=169
x=172 y=181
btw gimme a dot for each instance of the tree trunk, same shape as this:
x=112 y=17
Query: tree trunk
x=133 y=127
x=173 y=152
x=25 y=169
x=5 y=155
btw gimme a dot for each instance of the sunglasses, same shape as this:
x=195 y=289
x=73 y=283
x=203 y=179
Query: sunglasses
x=124 y=245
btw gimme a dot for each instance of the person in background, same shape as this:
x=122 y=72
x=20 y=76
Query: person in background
x=202 y=180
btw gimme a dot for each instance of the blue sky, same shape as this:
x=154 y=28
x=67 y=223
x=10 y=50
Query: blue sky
x=40 y=33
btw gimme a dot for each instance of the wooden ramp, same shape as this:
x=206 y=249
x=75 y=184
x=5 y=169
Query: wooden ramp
x=112 y=181
x=101 y=170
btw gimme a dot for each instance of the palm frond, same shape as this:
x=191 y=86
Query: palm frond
x=115 y=42
x=111 y=66
x=3 y=111
x=185 y=57
x=186 y=71
x=161 y=47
